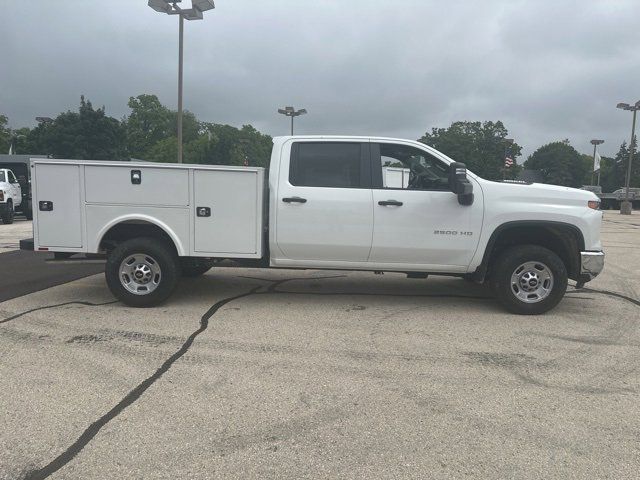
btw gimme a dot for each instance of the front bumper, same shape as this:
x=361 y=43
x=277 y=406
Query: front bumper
x=591 y=264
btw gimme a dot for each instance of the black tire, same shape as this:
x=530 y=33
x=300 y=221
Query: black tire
x=506 y=291
x=159 y=255
x=7 y=218
x=193 y=267
x=29 y=214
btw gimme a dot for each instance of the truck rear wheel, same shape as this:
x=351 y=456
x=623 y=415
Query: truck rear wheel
x=7 y=217
x=529 y=279
x=142 y=272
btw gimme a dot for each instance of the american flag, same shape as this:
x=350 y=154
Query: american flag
x=508 y=162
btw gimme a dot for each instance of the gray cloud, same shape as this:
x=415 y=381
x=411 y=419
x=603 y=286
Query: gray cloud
x=549 y=69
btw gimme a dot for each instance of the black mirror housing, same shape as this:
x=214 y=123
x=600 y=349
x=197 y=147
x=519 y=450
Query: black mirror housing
x=460 y=184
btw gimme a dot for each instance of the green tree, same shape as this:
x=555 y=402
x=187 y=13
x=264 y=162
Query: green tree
x=5 y=134
x=227 y=145
x=559 y=163
x=164 y=151
x=618 y=174
x=86 y=134
x=149 y=123
x=20 y=139
x=482 y=146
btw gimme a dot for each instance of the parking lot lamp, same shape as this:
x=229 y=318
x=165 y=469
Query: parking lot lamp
x=626 y=206
x=291 y=112
x=595 y=143
x=193 y=13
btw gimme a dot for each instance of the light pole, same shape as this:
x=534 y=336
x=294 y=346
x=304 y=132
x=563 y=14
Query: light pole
x=626 y=206
x=291 y=112
x=170 y=7
x=595 y=143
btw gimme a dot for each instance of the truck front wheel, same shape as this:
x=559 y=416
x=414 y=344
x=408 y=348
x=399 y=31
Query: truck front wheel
x=142 y=272
x=529 y=279
x=7 y=216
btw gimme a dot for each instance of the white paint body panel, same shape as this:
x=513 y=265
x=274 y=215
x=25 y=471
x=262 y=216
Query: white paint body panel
x=90 y=197
x=235 y=200
x=337 y=228
x=159 y=187
x=60 y=184
x=406 y=234
x=335 y=224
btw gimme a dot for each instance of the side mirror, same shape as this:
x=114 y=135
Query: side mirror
x=460 y=184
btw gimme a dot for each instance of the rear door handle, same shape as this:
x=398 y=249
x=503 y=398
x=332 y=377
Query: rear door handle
x=390 y=203
x=294 y=200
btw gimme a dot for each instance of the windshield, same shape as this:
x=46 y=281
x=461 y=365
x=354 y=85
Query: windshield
x=2 y=179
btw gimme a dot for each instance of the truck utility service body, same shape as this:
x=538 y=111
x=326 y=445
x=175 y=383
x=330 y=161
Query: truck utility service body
x=354 y=203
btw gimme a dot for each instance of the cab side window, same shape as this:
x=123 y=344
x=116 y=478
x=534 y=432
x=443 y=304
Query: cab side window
x=328 y=164
x=12 y=178
x=408 y=168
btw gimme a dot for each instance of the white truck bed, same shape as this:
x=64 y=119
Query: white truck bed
x=76 y=202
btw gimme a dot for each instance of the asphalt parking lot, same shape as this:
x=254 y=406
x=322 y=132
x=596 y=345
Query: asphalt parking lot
x=287 y=374
x=11 y=234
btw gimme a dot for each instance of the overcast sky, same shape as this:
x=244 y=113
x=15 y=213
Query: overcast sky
x=548 y=69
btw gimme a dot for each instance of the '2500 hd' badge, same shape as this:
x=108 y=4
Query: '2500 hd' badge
x=452 y=232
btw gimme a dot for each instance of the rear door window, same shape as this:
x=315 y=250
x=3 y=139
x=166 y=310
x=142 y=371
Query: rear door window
x=329 y=164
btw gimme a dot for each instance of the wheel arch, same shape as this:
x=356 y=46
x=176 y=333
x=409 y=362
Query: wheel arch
x=132 y=226
x=564 y=239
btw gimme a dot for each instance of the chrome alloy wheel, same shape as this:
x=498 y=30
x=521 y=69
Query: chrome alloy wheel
x=140 y=274
x=532 y=282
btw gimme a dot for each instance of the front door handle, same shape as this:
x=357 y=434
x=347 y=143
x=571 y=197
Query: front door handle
x=390 y=203
x=294 y=200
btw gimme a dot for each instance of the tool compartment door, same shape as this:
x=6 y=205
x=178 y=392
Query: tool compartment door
x=228 y=213
x=57 y=206
x=135 y=185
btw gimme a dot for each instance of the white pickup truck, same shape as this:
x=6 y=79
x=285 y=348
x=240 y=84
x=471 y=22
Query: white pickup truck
x=329 y=203
x=10 y=195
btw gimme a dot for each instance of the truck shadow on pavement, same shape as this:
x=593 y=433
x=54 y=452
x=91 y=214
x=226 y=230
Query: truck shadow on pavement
x=333 y=285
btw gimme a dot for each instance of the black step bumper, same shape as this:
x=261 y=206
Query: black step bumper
x=26 y=244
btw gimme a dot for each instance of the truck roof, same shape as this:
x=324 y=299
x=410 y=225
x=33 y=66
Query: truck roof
x=341 y=137
x=4 y=158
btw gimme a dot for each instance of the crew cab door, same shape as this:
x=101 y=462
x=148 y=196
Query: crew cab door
x=323 y=203
x=16 y=191
x=417 y=219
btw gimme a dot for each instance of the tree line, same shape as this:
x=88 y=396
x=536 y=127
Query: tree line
x=149 y=133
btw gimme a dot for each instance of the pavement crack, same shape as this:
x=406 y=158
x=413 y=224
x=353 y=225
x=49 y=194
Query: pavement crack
x=611 y=294
x=77 y=302
x=92 y=430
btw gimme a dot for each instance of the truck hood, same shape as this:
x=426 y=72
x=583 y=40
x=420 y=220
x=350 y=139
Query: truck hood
x=561 y=191
x=538 y=193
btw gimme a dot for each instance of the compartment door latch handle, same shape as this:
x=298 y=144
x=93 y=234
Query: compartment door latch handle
x=203 y=211
x=45 y=206
x=136 y=177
